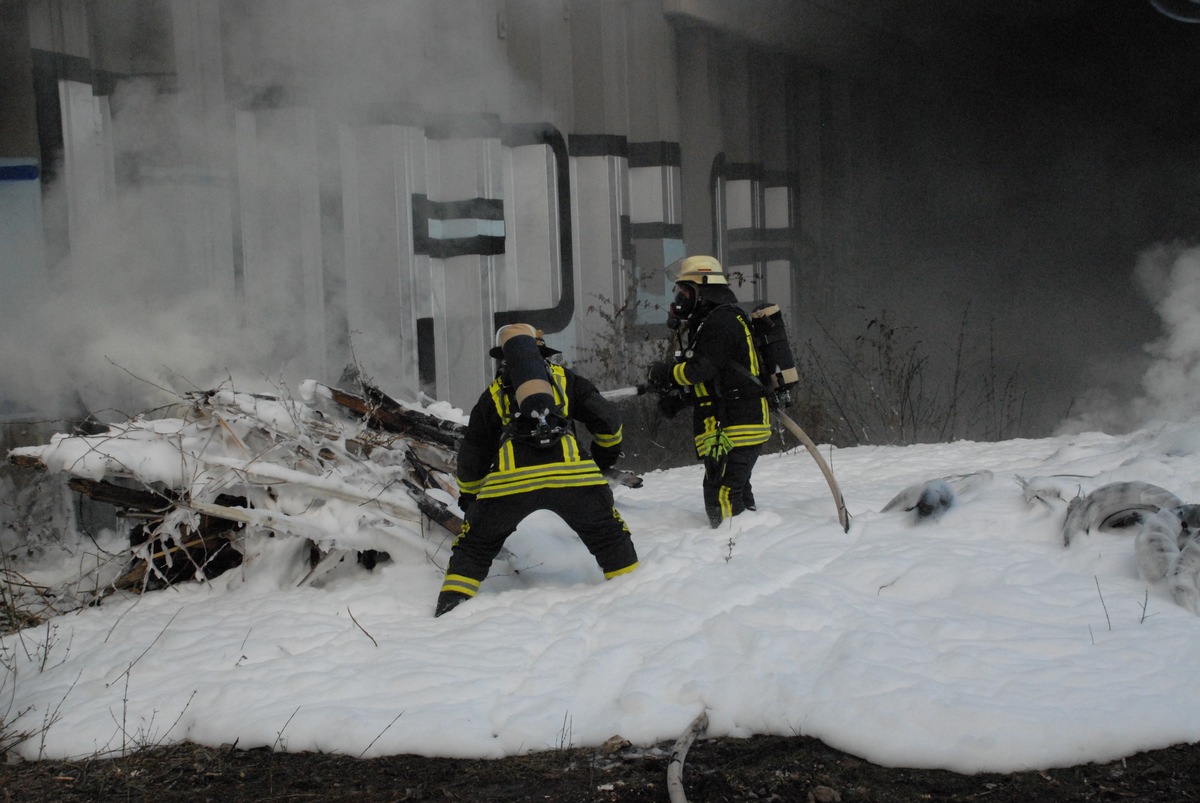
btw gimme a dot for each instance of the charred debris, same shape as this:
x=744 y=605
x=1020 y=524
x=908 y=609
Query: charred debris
x=238 y=475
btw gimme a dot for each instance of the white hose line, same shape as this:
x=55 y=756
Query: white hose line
x=675 y=765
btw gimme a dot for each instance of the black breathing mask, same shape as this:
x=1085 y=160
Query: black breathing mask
x=681 y=309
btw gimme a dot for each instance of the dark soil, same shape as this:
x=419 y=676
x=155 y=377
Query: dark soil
x=758 y=769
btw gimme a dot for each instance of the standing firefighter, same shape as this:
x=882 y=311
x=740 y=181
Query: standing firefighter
x=520 y=454
x=717 y=373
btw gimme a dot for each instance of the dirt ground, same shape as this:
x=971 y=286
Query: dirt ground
x=715 y=771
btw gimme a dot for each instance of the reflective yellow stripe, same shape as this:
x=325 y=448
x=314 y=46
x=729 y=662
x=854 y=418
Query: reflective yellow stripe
x=618 y=572
x=500 y=399
x=558 y=376
x=748 y=434
x=461 y=584
x=706 y=438
x=609 y=440
x=753 y=352
x=552 y=475
x=570 y=449
x=506 y=460
x=570 y=470
x=723 y=502
x=535 y=484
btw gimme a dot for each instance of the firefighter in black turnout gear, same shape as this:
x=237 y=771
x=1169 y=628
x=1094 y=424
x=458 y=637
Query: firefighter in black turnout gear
x=520 y=454
x=715 y=373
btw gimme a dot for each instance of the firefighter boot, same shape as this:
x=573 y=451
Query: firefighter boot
x=448 y=601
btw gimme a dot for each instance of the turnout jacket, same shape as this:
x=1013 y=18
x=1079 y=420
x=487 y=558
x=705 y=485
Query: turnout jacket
x=728 y=400
x=493 y=463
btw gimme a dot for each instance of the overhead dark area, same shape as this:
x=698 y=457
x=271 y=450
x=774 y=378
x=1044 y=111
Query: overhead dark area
x=1030 y=155
x=1180 y=10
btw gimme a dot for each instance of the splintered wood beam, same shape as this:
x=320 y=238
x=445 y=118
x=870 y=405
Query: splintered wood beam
x=120 y=496
x=437 y=512
x=283 y=523
x=156 y=505
x=383 y=412
x=26 y=461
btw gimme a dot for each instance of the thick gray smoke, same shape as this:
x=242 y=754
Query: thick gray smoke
x=1168 y=384
x=129 y=319
x=151 y=300
x=1170 y=277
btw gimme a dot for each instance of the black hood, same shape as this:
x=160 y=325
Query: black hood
x=714 y=295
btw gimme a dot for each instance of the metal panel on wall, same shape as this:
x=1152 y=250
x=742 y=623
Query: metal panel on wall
x=446 y=237
x=283 y=269
x=534 y=279
x=655 y=224
x=382 y=169
x=599 y=203
x=23 y=281
x=753 y=230
x=87 y=155
x=464 y=283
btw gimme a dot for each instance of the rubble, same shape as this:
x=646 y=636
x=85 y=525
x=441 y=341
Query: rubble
x=334 y=475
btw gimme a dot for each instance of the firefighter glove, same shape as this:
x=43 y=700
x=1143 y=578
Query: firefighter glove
x=605 y=456
x=659 y=377
x=671 y=403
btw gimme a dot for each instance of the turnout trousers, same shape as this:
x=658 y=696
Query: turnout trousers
x=587 y=510
x=727 y=490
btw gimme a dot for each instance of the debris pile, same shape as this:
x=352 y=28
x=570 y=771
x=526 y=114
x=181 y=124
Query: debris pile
x=1166 y=532
x=239 y=477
